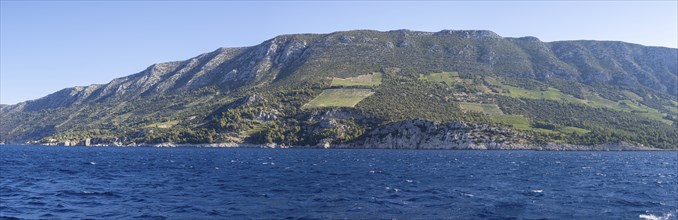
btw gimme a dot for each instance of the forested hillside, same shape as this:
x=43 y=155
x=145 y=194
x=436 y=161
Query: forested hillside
x=448 y=89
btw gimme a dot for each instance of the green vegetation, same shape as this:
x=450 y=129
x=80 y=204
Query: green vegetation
x=491 y=109
x=446 y=77
x=368 y=80
x=313 y=97
x=339 y=98
x=518 y=121
x=547 y=93
x=591 y=99
x=576 y=130
x=604 y=124
x=631 y=95
x=167 y=124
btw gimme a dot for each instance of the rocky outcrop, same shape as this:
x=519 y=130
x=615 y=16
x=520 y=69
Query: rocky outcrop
x=423 y=134
x=619 y=63
x=623 y=146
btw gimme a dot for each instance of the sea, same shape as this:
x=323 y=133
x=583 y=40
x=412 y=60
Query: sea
x=38 y=182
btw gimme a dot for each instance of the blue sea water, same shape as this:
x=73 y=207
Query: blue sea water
x=208 y=183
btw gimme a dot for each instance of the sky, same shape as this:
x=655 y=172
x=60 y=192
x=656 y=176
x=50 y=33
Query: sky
x=46 y=46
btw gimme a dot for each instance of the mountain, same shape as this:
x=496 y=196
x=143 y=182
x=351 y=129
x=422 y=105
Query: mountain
x=472 y=89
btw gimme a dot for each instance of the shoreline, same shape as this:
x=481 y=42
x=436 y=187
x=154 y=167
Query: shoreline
x=546 y=147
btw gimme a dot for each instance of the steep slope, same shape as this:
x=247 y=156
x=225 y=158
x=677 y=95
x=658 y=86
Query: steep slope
x=201 y=99
x=225 y=69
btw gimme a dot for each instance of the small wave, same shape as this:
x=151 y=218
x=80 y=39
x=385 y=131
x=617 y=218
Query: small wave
x=67 y=171
x=534 y=192
x=48 y=215
x=666 y=216
x=392 y=189
x=654 y=217
x=467 y=195
x=86 y=193
x=63 y=210
x=36 y=202
x=149 y=216
x=213 y=213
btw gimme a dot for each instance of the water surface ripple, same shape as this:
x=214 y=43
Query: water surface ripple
x=180 y=183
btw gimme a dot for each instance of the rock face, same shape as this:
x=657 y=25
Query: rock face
x=225 y=69
x=423 y=134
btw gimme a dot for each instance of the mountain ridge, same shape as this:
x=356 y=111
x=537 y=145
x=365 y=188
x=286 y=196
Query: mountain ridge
x=582 y=69
x=467 y=33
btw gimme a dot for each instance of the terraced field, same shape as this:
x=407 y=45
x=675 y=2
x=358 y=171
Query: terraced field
x=339 y=98
x=167 y=124
x=516 y=121
x=447 y=77
x=367 y=80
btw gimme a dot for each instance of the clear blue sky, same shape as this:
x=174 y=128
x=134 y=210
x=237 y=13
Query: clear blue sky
x=47 y=46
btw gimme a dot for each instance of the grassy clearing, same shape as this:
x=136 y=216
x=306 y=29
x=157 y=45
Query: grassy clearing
x=446 y=77
x=339 y=98
x=569 y=130
x=167 y=124
x=549 y=94
x=490 y=109
x=599 y=102
x=518 y=122
x=672 y=109
x=631 y=95
x=254 y=130
x=373 y=79
x=627 y=106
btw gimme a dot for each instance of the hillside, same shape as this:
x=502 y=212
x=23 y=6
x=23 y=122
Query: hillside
x=448 y=89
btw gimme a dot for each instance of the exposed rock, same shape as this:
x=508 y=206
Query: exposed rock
x=623 y=146
x=470 y=34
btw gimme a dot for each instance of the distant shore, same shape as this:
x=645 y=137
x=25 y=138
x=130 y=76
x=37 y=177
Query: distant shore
x=545 y=147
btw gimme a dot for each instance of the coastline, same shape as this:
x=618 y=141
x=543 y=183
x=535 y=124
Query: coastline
x=545 y=147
